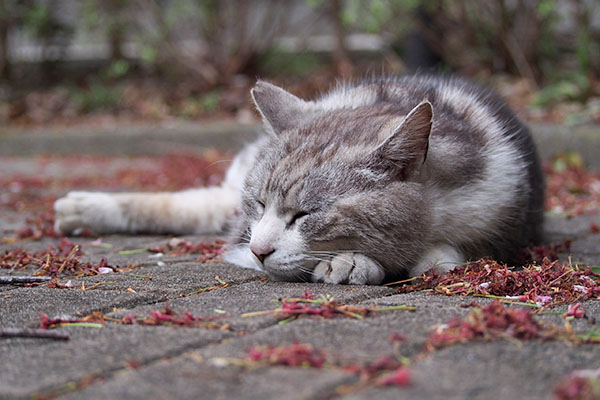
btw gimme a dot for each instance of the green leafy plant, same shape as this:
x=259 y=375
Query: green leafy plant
x=98 y=96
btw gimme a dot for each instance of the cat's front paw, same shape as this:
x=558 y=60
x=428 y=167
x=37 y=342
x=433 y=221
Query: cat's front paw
x=99 y=212
x=352 y=268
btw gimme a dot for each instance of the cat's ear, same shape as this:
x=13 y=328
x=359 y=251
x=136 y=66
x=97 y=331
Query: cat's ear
x=280 y=110
x=406 y=148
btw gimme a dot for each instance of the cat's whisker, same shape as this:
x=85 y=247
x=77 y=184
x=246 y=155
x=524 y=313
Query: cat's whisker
x=314 y=258
x=306 y=271
x=351 y=263
x=338 y=259
x=245 y=236
x=333 y=252
x=235 y=245
x=302 y=274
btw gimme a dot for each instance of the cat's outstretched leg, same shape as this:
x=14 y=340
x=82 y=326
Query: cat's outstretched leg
x=192 y=211
x=442 y=258
x=352 y=268
x=202 y=210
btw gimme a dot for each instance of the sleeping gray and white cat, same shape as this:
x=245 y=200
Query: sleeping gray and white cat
x=370 y=182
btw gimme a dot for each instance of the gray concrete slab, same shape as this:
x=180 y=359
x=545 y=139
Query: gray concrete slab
x=495 y=370
x=587 y=245
x=257 y=296
x=37 y=366
x=172 y=279
x=479 y=370
x=22 y=306
x=559 y=227
x=122 y=139
x=190 y=379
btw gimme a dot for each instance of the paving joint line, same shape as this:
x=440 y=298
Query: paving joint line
x=108 y=373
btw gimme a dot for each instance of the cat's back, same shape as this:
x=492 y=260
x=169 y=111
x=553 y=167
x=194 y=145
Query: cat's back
x=473 y=131
x=462 y=110
x=482 y=172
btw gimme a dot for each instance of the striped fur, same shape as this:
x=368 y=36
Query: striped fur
x=478 y=193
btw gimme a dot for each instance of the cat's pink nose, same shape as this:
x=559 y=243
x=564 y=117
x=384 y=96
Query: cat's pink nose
x=261 y=252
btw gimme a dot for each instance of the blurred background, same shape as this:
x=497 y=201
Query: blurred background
x=104 y=61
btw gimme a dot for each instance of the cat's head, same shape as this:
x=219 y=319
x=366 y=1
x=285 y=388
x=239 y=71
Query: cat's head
x=327 y=179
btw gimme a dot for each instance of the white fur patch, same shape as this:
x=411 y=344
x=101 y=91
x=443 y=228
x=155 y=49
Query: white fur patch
x=442 y=258
x=209 y=208
x=371 y=175
x=98 y=211
x=347 y=97
x=478 y=208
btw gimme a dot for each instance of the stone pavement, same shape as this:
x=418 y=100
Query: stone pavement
x=117 y=361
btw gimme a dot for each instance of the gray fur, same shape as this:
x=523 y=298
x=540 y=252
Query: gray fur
x=372 y=172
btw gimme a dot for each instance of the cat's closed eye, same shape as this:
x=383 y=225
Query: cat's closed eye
x=296 y=217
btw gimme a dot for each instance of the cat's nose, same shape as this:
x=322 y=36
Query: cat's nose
x=261 y=252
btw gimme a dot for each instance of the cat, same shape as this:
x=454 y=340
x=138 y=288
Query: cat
x=373 y=181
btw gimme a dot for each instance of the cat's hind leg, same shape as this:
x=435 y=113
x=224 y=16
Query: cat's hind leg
x=441 y=257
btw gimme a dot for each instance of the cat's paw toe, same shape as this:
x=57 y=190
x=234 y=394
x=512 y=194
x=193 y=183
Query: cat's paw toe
x=335 y=271
x=66 y=215
x=79 y=210
x=366 y=271
x=352 y=268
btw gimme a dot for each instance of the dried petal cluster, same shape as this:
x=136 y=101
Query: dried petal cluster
x=495 y=321
x=295 y=355
x=386 y=371
x=400 y=377
x=39 y=226
x=551 y=251
x=171 y=318
x=570 y=188
x=488 y=323
x=177 y=247
x=51 y=323
x=325 y=307
x=579 y=385
x=549 y=284
x=165 y=317
x=54 y=261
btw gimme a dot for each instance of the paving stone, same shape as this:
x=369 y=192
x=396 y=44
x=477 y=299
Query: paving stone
x=129 y=140
x=22 y=307
x=40 y=365
x=191 y=379
x=257 y=296
x=497 y=370
x=586 y=245
x=172 y=279
x=349 y=341
x=558 y=227
x=352 y=340
x=585 y=259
